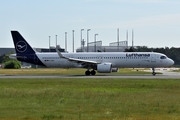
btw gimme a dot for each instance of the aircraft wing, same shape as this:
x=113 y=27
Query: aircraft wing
x=80 y=61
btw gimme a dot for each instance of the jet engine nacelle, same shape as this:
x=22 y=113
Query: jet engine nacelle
x=104 y=68
x=115 y=69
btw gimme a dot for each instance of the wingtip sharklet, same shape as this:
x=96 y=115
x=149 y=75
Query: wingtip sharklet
x=60 y=55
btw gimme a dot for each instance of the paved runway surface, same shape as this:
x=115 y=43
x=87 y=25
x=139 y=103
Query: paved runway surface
x=72 y=76
x=165 y=75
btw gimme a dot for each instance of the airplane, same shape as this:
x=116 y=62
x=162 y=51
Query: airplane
x=102 y=62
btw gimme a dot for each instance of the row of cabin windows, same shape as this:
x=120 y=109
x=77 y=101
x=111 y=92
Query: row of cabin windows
x=111 y=57
x=99 y=57
x=51 y=58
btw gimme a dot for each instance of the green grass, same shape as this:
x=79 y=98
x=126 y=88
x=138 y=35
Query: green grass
x=44 y=71
x=90 y=99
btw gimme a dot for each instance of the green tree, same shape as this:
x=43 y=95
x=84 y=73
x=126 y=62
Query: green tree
x=6 y=58
x=12 y=64
x=131 y=49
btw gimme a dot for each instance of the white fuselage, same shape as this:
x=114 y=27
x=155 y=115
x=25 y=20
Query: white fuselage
x=117 y=59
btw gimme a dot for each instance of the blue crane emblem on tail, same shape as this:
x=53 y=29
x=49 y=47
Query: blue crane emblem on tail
x=21 y=46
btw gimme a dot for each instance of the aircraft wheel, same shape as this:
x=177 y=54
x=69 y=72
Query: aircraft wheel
x=93 y=72
x=87 y=72
x=153 y=73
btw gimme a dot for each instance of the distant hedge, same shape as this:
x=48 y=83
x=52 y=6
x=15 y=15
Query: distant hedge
x=12 y=64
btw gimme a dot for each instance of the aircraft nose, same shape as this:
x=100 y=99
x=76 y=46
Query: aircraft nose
x=171 y=62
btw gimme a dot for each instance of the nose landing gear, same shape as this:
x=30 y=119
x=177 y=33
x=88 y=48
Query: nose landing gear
x=153 y=72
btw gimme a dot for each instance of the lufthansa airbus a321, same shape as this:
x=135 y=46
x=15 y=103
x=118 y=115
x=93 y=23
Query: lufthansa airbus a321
x=102 y=62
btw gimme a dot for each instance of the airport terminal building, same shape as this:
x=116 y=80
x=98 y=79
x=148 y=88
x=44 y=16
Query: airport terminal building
x=98 y=47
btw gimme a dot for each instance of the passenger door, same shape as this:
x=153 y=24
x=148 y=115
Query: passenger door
x=153 y=58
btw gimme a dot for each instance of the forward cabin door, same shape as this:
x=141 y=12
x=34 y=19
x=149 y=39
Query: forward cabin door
x=153 y=59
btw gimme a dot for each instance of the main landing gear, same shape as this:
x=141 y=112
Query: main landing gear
x=93 y=72
x=153 y=72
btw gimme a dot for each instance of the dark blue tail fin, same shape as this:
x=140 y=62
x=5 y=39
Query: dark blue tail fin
x=20 y=44
x=24 y=51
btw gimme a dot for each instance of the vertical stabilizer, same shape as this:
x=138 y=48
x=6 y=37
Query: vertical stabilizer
x=24 y=51
x=20 y=44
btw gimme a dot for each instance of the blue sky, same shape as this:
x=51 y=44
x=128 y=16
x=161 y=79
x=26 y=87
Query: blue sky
x=156 y=23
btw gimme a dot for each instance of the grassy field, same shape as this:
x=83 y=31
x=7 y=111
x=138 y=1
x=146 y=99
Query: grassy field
x=47 y=71
x=90 y=99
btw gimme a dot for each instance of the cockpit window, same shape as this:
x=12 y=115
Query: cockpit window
x=163 y=57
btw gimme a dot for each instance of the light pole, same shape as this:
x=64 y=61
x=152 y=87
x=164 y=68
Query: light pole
x=95 y=42
x=118 y=38
x=132 y=38
x=88 y=39
x=49 y=43
x=73 y=39
x=81 y=39
x=65 y=41
x=127 y=38
x=56 y=40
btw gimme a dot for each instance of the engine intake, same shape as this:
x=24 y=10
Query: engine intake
x=104 y=68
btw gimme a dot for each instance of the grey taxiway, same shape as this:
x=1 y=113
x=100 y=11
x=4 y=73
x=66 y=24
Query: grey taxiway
x=164 y=75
